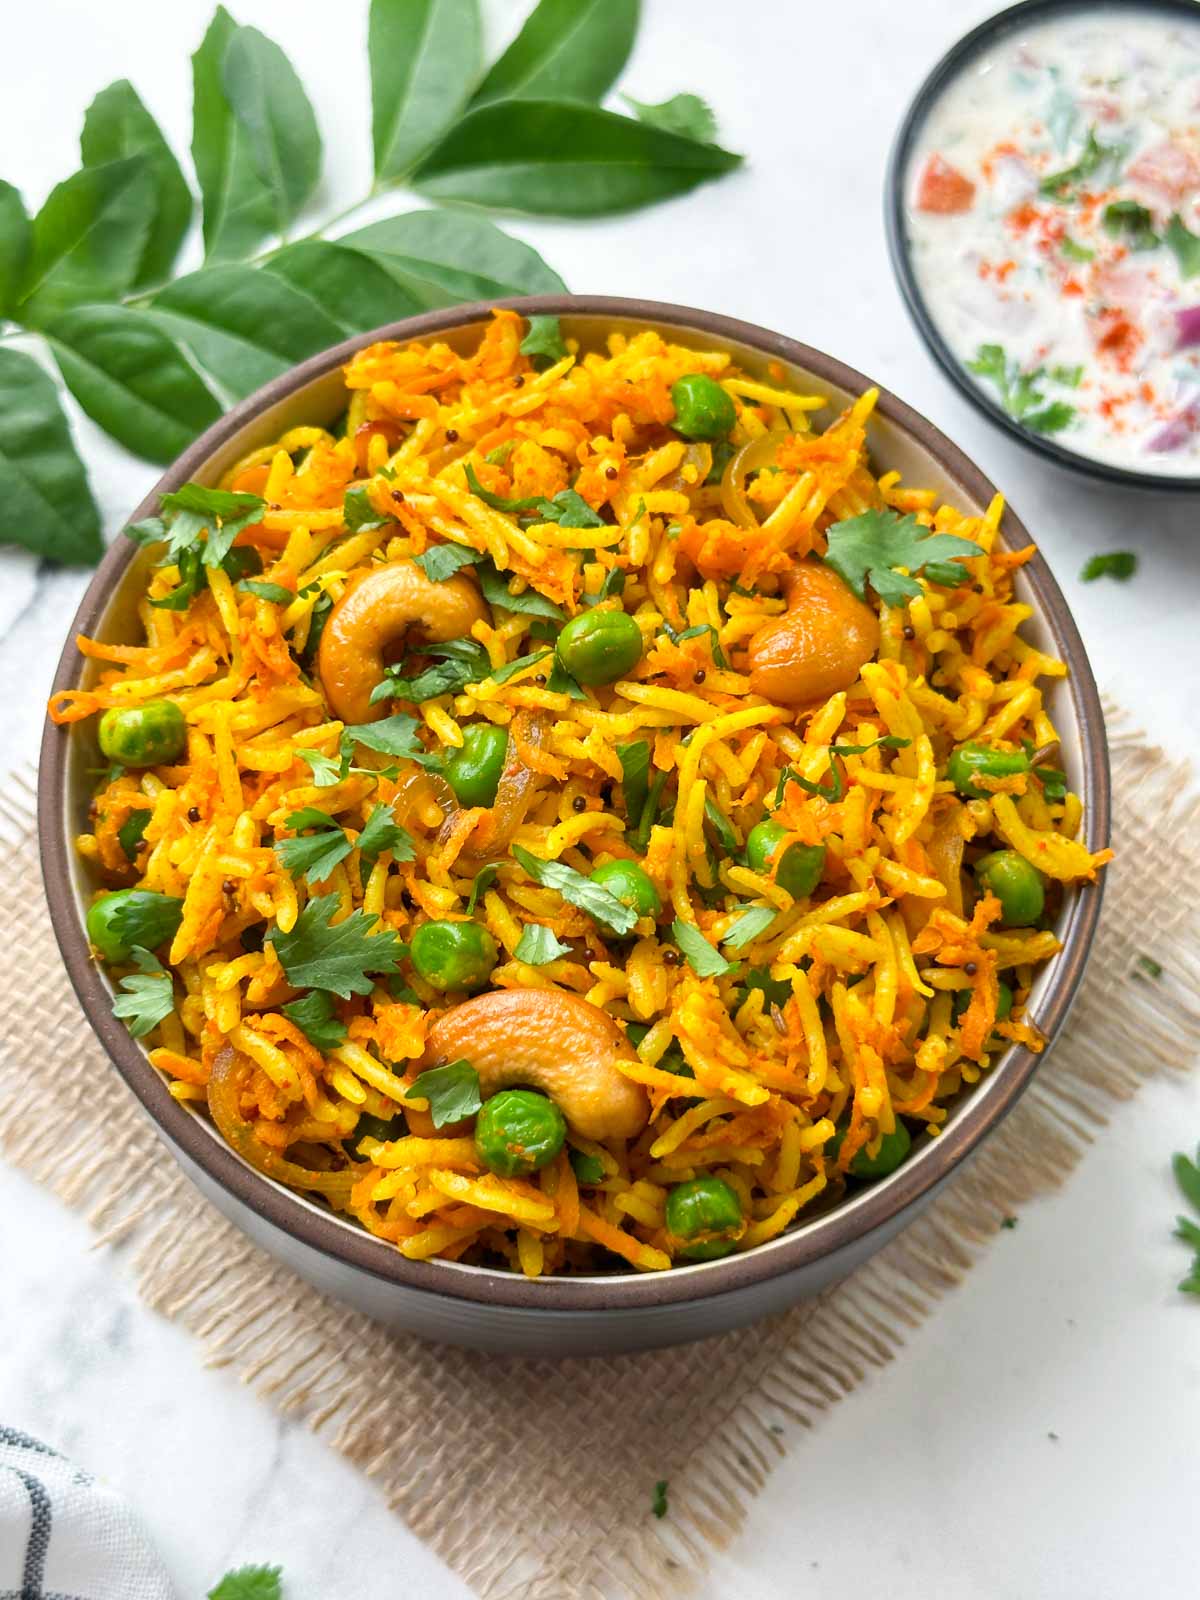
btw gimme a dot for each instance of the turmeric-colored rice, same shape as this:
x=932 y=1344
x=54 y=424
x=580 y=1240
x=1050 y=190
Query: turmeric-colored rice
x=834 y=1022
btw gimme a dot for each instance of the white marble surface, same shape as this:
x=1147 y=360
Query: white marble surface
x=1038 y=1437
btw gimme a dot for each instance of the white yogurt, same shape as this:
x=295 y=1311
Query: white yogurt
x=1073 y=299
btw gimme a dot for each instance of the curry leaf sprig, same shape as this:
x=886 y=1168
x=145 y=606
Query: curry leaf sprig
x=250 y=1583
x=1187 y=1176
x=154 y=358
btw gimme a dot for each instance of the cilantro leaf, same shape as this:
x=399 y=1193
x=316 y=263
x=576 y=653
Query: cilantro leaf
x=544 y=343
x=560 y=681
x=1019 y=393
x=313 y=855
x=641 y=835
x=498 y=456
x=539 y=944
x=613 y=584
x=359 y=515
x=275 y=592
x=704 y=960
x=659 y=1504
x=753 y=921
x=459 y=662
x=381 y=833
x=1184 y=245
x=871 y=545
x=1075 y=252
x=442 y=561
x=249 y=1583
x=1134 y=221
x=393 y=736
x=578 y=891
x=325 y=770
x=684 y=114
x=221 y=513
x=835 y=791
x=530 y=603
x=511 y=668
x=318 y=617
x=192 y=578
x=146 y=918
x=147 y=995
x=949 y=574
x=635 y=767
x=314 y=1015
x=719 y=657
x=150 y=530
x=1151 y=968
x=776 y=991
x=316 y=955
x=452 y=1091
x=587 y=1169
x=719 y=824
x=129 y=834
x=1120 y=564
x=568 y=508
x=1094 y=159
x=481 y=883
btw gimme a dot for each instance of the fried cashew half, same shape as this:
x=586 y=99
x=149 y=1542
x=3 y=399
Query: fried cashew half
x=819 y=645
x=545 y=1039
x=384 y=607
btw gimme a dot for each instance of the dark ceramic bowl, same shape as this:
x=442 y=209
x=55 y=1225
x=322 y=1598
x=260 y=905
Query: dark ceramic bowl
x=475 y=1305
x=896 y=187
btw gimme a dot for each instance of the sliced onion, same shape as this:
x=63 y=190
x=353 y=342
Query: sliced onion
x=514 y=794
x=758 y=453
x=229 y=1073
x=1187 y=327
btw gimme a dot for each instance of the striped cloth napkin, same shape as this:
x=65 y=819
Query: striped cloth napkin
x=63 y=1536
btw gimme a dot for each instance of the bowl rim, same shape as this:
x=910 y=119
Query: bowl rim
x=827 y=1235
x=941 y=75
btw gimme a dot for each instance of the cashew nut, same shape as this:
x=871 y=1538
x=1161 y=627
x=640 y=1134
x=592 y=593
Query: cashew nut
x=820 y=644
x=545 y=1039
x=381 y=608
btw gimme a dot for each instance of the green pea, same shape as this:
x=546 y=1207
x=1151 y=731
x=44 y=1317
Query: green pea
x=453 y=955
x=1015 y=883
x=143 y=736
x=962 y=999
x=599 y=646
x=473 y=770
x=893 y=1149
x=704 y=1206
x=800 y=868
x=970 y=761
x=117 y=922
x=518 y=1131
x=703 y=410
x=631 y=885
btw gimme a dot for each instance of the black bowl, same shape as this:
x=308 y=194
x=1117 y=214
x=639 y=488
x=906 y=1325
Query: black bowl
x=951 y=65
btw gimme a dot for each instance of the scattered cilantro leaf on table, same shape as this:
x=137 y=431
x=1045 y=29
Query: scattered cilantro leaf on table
x=318 y=954
x=250 y=1583
x=452 y=1091
x=659 y=1504
x=1119 y=564
x=682 y=113
x=869 y=547
x=578 y=890
x=314 y=1015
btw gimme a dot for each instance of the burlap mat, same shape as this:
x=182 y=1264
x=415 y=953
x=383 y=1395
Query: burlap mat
x=575 y=1473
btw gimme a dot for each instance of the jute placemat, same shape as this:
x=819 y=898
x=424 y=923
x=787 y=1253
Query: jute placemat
x=436 y=1426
